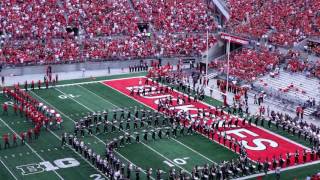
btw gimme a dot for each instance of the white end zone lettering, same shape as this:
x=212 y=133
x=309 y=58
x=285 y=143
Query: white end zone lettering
x=185 y=108
x=238 y=133
x=259 y=142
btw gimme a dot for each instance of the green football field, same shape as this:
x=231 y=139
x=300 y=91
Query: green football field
x=76 y=98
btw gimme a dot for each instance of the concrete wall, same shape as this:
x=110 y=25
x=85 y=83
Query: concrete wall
x=19 y=71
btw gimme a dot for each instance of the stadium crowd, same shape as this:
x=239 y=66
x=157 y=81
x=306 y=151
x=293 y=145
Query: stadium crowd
x=42 y=32
x=176 y=15
x=248 y=64
x=284 y=22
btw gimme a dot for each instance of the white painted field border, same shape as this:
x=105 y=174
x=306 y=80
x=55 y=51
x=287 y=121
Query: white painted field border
x=144 y=171
x=76 y=151
x=132 y=136
x=29 y=146
x=196 y=152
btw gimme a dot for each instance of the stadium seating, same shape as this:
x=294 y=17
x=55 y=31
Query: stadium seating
x=54 y=31
x=184 y=44
x=124 y=48
x=32 y=19
x=176 y=15
x=247 y=64
x=102 y=18
x=41 y=32
x=286 y=21
x=31 y=52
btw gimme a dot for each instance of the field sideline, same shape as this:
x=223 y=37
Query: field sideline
x=73 y=99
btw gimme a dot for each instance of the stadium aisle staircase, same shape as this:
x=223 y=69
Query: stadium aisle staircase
x=309 y=85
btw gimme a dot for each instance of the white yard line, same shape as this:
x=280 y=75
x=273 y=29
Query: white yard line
x=150 y=107
x=80 y=156
x=144 y=171
x=161 y=112
x=132 y=136
x=100 y=81
x=194 y=151
x=29 y=146
x=12 y=174
x=254 y=175
x=75 y=150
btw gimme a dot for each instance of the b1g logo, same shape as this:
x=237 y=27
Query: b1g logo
x=47 y=166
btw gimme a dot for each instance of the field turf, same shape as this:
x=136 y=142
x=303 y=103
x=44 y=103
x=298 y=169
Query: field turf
x=77 y=98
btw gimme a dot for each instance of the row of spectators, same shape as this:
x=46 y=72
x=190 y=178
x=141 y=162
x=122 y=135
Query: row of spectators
x=311 y=68
x=247 y=64
x=49 y=19
x=126 y=47
x=285 y=21
x=313 y=47
x=54 y=31
x=176 y=15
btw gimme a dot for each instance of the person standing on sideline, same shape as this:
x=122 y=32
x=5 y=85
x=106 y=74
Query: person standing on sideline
x=57 y=78
x=277 y=172
x=83 y=72
x=2 y=81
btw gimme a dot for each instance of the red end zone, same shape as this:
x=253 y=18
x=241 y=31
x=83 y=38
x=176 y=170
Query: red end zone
x=259 y=143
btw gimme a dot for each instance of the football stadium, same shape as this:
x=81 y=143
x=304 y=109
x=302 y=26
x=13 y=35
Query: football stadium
x=160 y=89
